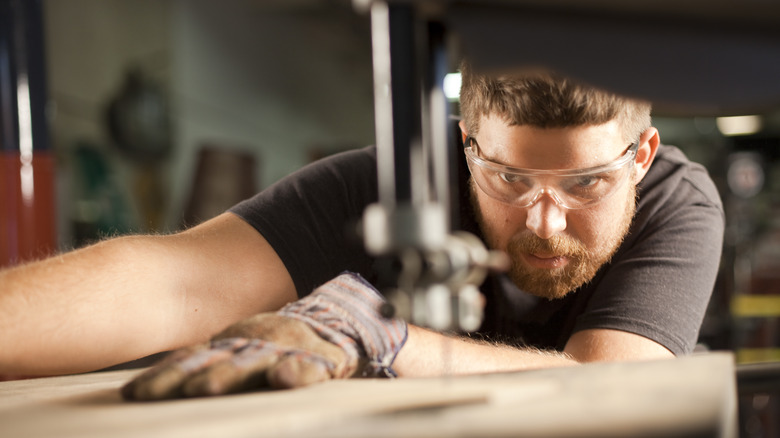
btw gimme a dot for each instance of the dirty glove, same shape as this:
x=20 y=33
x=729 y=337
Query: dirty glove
x=336 y=332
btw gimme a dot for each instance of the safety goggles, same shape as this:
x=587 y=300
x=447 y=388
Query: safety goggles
x=571 y=188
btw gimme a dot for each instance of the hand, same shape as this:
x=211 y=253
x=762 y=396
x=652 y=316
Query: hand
x=336 y=332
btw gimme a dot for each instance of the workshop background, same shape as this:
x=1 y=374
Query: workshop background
x=159 y=114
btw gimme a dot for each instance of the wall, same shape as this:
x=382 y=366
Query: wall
x=281 y=80
x=89 y=44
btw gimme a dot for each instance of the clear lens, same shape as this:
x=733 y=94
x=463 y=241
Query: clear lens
x=571 y=189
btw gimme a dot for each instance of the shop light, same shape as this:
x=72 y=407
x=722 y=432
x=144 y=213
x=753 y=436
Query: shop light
x=452 y=86
x=739 y=125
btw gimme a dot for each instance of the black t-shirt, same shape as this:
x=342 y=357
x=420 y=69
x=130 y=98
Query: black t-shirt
x=657 y=285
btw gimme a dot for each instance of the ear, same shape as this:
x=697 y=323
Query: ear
x=645 y=154
x=463 y=131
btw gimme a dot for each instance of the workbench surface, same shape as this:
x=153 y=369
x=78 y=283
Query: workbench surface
x=692 y=396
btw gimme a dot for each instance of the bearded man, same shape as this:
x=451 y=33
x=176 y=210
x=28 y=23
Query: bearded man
x=614 y=240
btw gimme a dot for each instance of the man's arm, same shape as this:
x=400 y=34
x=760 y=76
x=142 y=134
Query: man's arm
x=337 y=332
x=128 y=297
x=600 y=345
x=427 y=353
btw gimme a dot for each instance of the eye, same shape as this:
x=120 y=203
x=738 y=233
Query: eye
x=586 y=182
x=509 y=177
x=585 y=185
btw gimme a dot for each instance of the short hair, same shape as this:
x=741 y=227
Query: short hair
x=547 y=100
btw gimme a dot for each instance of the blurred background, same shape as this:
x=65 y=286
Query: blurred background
x=151 y=101
x=153 y=115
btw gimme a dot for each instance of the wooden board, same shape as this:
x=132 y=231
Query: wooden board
x=693 y=396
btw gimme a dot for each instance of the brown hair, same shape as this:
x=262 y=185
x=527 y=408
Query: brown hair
x=547 y=100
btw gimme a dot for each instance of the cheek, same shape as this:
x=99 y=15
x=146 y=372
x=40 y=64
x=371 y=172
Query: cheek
x=597 y=227
x=588 y=226
x=499 y=222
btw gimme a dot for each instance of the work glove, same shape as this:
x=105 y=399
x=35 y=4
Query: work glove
x=335 y=332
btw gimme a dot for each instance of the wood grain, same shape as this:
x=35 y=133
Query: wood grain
x=692 y=396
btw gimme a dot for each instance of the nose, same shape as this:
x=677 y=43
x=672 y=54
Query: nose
x=545 y=217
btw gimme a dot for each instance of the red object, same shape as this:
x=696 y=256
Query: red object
x=27 y=207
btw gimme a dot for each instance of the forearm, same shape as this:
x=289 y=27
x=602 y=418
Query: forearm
x=428 y=354
x=132 y=296
x=83 y=310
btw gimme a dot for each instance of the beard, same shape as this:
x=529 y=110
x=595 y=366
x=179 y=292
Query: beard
x=583 y=264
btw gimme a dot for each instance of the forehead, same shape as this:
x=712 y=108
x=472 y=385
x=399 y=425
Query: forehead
x=549 y=148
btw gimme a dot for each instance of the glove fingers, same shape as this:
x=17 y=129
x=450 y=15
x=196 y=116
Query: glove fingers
x=244 y=370
x=166 y=379
x=299 y=369
x=292 y=334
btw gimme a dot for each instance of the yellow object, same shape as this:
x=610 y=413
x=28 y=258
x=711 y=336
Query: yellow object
x=755 y=355
x=756 y=306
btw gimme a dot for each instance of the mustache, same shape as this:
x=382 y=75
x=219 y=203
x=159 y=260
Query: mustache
x=557 y=245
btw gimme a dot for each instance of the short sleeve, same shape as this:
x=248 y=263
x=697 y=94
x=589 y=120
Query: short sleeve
x=310 y=217
x=660 y=281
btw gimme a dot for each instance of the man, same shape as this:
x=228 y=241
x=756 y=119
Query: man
x=555 y=169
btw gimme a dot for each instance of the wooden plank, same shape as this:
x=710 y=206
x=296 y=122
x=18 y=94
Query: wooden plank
x=693 y=396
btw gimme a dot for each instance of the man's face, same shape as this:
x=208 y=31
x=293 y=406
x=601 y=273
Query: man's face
x=553 y=250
